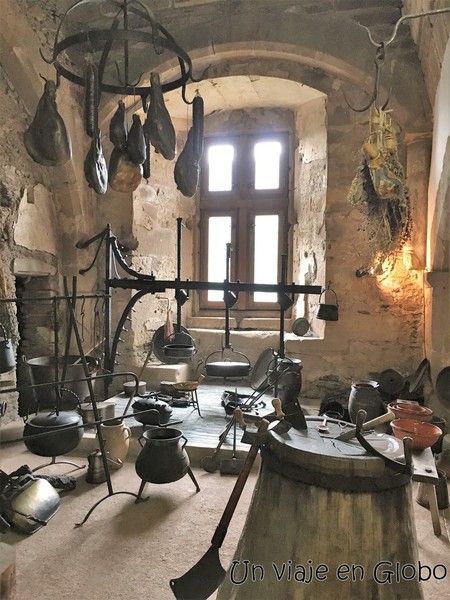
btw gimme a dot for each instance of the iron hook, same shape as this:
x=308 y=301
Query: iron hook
x=379 y=62
x=49 y=61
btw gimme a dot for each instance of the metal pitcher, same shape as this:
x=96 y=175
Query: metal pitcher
x=7 y=356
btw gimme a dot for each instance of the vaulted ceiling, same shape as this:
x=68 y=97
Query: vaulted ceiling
x=236 y=44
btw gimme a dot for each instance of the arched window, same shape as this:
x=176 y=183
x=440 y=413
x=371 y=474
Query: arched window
x=244 y=201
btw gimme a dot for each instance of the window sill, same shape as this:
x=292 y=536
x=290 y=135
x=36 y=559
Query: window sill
x=256 y=325
x=246 y=324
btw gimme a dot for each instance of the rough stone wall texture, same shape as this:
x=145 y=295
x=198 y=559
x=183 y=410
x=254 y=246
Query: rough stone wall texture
x=431 y=35
x=314 y=44
x=16 y=172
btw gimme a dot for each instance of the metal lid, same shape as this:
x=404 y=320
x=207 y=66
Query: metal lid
x=264 y=364
x=50 y=419
x=300 y=326
x=417 y=379
x=391 y=381
x=443 y=384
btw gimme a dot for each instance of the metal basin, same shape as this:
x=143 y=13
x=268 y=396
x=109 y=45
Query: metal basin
x=42 y=370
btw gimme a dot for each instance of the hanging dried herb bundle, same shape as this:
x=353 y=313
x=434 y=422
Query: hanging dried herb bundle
x=379 y=190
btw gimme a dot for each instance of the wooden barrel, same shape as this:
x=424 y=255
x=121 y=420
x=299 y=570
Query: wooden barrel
x=326 y=520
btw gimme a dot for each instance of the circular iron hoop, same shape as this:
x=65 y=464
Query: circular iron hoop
x=135 y=36
x=160 y=39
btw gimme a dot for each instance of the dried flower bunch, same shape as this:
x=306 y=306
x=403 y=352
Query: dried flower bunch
x=379 y=190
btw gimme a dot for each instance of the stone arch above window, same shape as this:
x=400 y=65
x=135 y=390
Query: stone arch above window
x=293 y=107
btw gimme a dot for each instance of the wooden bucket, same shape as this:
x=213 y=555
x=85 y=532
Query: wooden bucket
x=326 y=521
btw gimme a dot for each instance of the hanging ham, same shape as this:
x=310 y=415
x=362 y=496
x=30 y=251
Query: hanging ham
x=95 y=169
x=158 y=123
x=187 y=168
x=136 y=141
x=46 y=139
x=118 y=130
x=123 y=174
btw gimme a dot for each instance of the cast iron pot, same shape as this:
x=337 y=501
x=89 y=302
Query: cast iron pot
x=227 y=368
x=159 y=416
x=42 y=370
x=163 y=458
x=63 y=433
x=181 y=345
x=179 y=350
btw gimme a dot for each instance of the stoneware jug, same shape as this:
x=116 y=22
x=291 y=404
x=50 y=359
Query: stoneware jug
x=365 y=395
x=116 y=436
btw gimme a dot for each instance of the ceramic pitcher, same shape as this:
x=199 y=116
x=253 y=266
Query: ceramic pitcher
x=116 y=437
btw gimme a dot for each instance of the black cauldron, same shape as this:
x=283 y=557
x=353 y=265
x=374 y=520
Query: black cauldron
x=160 y=415
x=63 y=433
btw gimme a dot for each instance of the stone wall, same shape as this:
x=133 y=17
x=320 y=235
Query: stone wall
x=315 y=44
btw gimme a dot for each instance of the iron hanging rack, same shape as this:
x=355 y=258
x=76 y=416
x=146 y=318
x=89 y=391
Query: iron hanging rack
x=104 y=38
x=148 y=284
x=388 y=42
x=152 y=285
x=380 y=54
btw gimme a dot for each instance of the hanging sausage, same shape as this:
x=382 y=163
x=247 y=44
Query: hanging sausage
x=197 y=126
x=146 y=167
x=91 y=100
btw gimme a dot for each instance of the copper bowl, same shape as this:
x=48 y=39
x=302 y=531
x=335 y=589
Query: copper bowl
x=410 y=410
x=423 y=435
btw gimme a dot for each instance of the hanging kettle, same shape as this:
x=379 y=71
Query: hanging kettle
x=328 y=312
x=59 y=432
x=7 y=358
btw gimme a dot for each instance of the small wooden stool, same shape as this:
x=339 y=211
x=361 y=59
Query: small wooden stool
x=425 y=472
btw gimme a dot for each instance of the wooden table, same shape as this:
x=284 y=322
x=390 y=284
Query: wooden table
x=425 y=472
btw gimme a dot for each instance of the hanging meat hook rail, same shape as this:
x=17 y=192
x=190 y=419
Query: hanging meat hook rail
x=388 y=42
x=128 y=39
x=380 y=57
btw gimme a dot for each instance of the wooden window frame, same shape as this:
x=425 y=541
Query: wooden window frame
x=243 y=203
